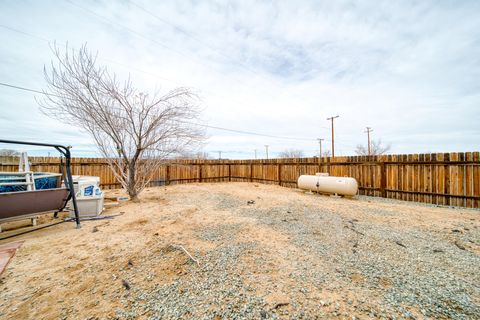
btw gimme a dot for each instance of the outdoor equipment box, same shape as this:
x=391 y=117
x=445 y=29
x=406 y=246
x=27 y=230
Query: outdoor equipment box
x=89 y=196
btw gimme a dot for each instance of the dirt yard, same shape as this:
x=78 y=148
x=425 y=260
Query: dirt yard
x=263 y=252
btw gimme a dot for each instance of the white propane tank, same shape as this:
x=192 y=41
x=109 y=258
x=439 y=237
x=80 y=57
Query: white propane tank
x=337 y=185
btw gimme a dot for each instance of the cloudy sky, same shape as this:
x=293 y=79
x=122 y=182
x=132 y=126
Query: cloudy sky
x=408 y=69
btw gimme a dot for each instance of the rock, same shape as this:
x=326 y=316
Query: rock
x=459 y=245
x=277 y=300
x=125 y=284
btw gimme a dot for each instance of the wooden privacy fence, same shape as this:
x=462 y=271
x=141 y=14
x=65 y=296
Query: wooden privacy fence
x=442 y=178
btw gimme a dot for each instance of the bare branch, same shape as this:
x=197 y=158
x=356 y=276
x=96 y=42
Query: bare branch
x=291 y=153
x=134 y=131
x=377 y=148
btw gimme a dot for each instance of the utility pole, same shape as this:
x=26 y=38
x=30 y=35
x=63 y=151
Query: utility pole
x=320 y=153
x=333 y=135
x=369 y=129
x=219 y=155
x=266 y=150
x=255 y=153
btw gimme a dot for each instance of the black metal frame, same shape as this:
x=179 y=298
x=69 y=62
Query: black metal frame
x=65 y=151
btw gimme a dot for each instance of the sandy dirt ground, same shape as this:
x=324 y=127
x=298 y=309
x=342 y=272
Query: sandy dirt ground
x=263 y=252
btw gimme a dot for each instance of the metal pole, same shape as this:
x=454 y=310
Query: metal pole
x=333 y=135
x=266 y=150
x=70 y=186
x=320 y=154
x=255 y=153
x=369 y=129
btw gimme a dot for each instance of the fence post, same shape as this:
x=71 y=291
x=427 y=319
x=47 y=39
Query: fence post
x=167 y=178
x=251 y=171
x=446 y=158
x=200 y=172
x=229 y=173
x=383 y=180
x=279 y=173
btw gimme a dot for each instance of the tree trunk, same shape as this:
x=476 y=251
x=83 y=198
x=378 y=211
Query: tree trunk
x=133 y=196
x=131 y=189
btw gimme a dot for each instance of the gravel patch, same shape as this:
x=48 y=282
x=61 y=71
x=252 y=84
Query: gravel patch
x=380 y=270
x=409 y=203
x=221 y=233
x=223 y=201
x=404 y=268
x=215 y=289
x=263 y=252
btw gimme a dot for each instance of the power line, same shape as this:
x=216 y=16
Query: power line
x=49 y=41
x=124 y=65
x=128 y=67
x=196 y=38
x=27 y=89
x=109 y=60
x=257 y=134
x=198 y=124
x=23 y=32
x=140 y=35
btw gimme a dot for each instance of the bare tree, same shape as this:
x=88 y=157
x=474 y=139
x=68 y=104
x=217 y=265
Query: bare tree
x=291 y=153
x=9 y=153
x=200 y=155
x=377 y=148
x=134 y=131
